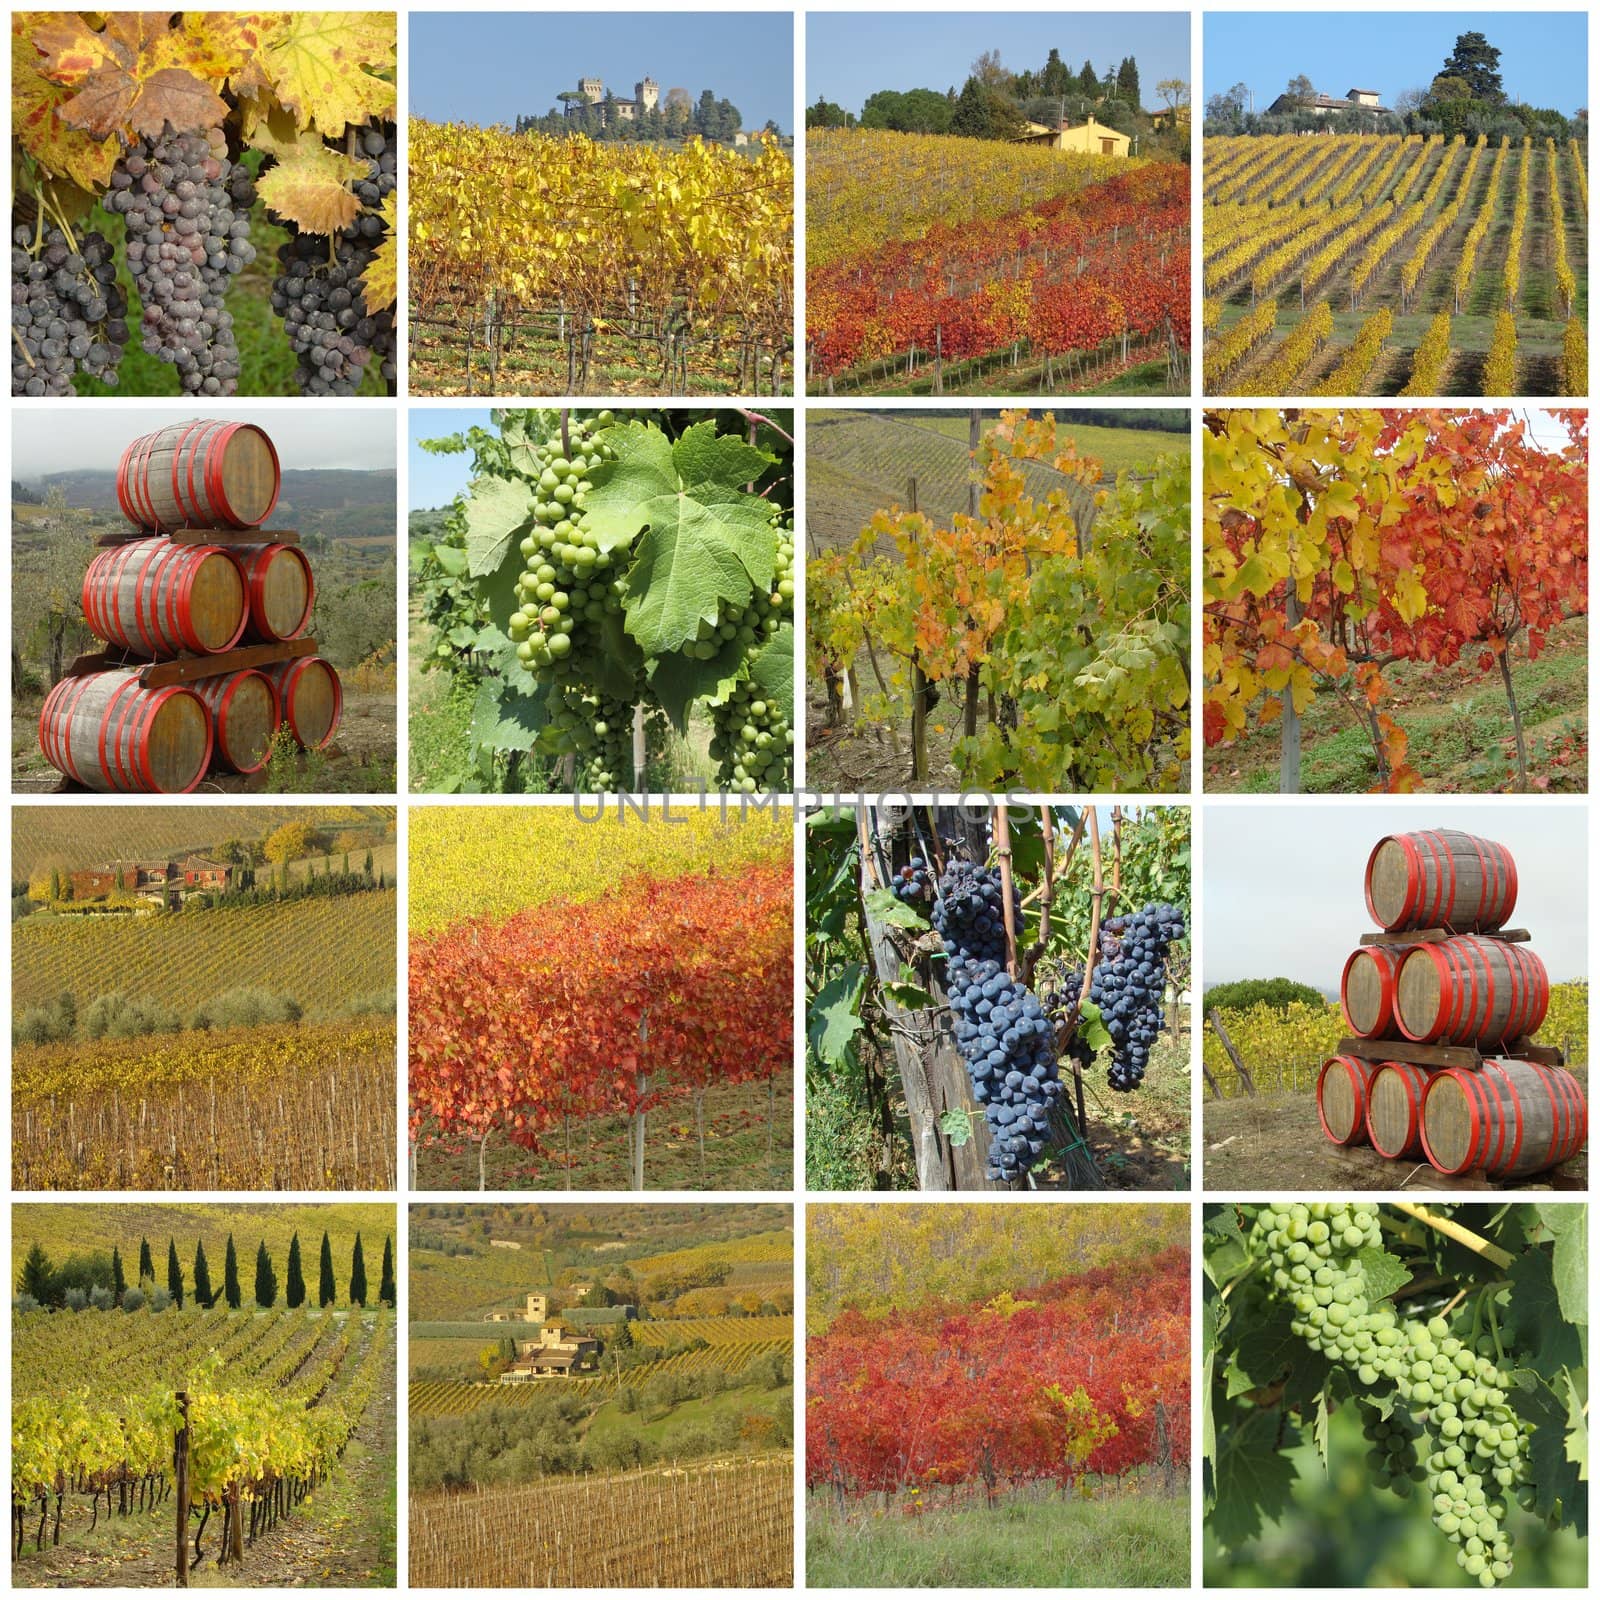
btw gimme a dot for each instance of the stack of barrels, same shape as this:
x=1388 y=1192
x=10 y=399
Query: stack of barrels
x=1448 y=979
x=152 y=598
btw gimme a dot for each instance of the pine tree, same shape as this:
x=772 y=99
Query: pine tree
x=230 y=1277
x=294 y=1283
x=326 y=1293
x=266 y=1278
x=174 y=1274
x=386 y=1294
x=37 y=1273
x=147 y=1266
x=358 y=1275
x=369 y=866
x=204 y=1295
x=119 y=1282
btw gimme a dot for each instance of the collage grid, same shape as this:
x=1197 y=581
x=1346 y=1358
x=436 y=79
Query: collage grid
x=982 y=1286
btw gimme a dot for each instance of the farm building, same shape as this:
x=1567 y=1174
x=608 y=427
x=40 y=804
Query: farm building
x=1323 y=105
x=160 y=881
x=1088 y=138
x=557 y=1354
x=537 y=1308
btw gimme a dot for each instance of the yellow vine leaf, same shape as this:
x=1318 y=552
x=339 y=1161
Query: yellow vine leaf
x=62 y=151
x=307 y=186
x=379 y=285
x=324 y=67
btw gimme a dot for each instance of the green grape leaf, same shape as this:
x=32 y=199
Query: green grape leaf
x=1226 y=1254
x=1384 y=1274
x=616 y=662
x=882 y=905
x=1319 y=1426
x=1556 y=1479
x=705 y=458
x=1577 y=1430
x=1094 y=1031
x=908 y=996
x=1252 y=1481
x=498 y=512
x=1539 y=1330
x=1270 y=1354
x=956 y=1126
x=693 y=557
x=498 y=592
x=1570 y=1227
x=451 y=558
x=506 y=717
x=833 y=1018
x=679 y=680
x=772 y=671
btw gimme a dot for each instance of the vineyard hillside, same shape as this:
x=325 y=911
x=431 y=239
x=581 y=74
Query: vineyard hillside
x=1395 y=265
x=939 y=264
x=64 y=1230
x=84 y=835
x=322 y=953
x=860 y=462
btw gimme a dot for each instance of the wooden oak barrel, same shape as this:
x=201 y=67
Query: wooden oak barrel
x=310 y=698
x=159 y=599
x=107 y=731
x=1441 y=878
x=1342 y=1098
x=244 y=717
x=1508 y=1119
x=200 y=474
x=1366 y=990
x=1471 y=990
x=1394 y=1108
x=279 y=588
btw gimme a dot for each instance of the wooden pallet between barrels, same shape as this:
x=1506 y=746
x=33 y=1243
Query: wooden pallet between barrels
x=1449 y=1055
x=186 y=669
x=218 y=536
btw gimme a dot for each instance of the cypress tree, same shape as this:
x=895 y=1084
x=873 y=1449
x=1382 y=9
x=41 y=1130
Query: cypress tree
x=230 y=1277
x=147 y=1267
x=174 y=1274
x=294 y=1283
x=358 y=1275
x=118 y=1281
x=38 y=1273
x=326 y=1293
x=386 y=1295
x=266 y=1278
x=204 y=1296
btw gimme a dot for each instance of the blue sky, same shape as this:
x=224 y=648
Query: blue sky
x=1544 y=55
x=849 y=55
x=436 y=480
x=491 y=67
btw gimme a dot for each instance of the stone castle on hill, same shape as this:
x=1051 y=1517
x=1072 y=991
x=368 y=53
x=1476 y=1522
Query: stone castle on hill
x=592 y=93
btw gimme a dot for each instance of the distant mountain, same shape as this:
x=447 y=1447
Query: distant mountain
x=308 y=493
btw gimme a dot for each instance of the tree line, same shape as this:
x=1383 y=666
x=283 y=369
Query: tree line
x=94 y=1281
x=1465 y=96
x=676 y=118
x=996 y=103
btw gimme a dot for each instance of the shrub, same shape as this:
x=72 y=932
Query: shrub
x=133 y=1299
x=1277 y=993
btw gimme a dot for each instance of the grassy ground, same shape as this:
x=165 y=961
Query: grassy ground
x=1139 y=1141
x=737 y=1134
x=998 y=376
x=1133 y=1541
x=1540 y=318
x=1459 y=727
x=533 y=362
x=1273 y=1141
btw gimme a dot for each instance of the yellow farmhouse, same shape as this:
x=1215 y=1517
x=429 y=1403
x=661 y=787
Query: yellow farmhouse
x=1090 y=138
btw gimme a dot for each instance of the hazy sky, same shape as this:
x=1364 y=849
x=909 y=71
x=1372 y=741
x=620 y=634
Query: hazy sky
x=850 y=55
x=1283 y=896
x=492 y=67
x=305 y=436
x=1544 y=55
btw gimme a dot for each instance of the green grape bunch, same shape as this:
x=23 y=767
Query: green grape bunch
x=1437 y=1412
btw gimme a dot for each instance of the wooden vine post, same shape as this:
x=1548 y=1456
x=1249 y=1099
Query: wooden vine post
x=933 y=1077
x=969 y=710
x=1221 y=1032
x=180 y=1481
x=919 y=684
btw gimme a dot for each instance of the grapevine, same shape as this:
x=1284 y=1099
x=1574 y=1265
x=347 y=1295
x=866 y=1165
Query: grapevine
x=622 y=572
x=157 y=132
x=1424 y=1326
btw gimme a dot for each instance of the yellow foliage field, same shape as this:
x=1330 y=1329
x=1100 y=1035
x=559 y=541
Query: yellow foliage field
x=468 y=861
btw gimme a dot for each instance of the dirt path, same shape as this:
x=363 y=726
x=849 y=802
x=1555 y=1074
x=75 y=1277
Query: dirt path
x=342 y=1536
